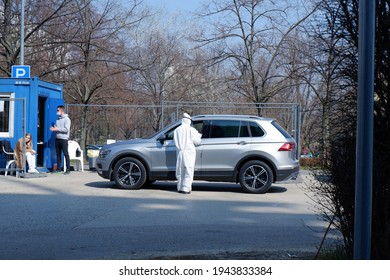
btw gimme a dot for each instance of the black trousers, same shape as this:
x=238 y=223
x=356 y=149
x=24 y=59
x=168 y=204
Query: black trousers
x=62 y=146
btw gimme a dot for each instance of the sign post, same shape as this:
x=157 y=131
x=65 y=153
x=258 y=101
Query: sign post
x=365 y=128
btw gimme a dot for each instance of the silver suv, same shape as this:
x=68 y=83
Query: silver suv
x=250 y=150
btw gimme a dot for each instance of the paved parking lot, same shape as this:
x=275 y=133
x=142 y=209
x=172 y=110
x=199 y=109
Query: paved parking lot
x=83 y=216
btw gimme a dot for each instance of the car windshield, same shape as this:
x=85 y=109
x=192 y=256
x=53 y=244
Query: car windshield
x=167 y=128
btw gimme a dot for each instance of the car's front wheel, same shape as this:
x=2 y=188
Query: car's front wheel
x=255 y=177
x=129 y=173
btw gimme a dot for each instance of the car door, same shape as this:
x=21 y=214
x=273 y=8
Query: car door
x=163 y=156
x=224 y=143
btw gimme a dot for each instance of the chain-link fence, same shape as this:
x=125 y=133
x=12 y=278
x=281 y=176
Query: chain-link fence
x=288 y=115
x=99 y=123
x=12 y=128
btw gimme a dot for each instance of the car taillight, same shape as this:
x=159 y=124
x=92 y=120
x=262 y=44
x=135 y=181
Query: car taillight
x=287 y=147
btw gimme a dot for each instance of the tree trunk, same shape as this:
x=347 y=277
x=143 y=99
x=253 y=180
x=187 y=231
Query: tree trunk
x=84 y=127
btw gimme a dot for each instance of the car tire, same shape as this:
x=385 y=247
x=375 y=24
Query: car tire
x=129 y=173
x=255 y=177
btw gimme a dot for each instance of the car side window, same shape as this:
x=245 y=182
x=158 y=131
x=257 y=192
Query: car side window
x=244 y=132
x=223 y=129
x=256 y=130
x=205 y=129
x=169 y=134
x=198 y=125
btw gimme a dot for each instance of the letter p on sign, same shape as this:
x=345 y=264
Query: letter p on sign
x=20 y=71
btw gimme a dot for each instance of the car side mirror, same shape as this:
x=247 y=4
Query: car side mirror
x=162 y=138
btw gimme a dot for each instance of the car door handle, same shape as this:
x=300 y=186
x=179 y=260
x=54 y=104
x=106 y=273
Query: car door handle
x=241 y=143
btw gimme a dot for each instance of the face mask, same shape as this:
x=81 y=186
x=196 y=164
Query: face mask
x=58 y=114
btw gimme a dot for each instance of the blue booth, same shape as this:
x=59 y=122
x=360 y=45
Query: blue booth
x=30 y=105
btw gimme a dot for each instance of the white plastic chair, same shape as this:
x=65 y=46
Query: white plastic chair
x=10 y=163
x=72 y=148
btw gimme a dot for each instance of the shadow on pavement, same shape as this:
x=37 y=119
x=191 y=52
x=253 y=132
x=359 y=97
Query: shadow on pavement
x=197 y=186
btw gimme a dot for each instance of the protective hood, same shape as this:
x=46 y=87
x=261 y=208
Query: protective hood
x=186 y=119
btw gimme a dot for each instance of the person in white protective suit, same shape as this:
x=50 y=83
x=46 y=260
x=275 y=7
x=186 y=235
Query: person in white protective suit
x=185 y=138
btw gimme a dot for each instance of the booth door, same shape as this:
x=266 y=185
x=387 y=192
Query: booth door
x=50 y=117
x=41 y=129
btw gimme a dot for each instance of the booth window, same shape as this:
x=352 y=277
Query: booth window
x=6 y=114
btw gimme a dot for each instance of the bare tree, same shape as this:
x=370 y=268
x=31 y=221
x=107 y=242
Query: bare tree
x=339 y=40
x=96 y=59
x=167 y=71
x=248 y=35
x=39 y=15
x=323 y=69
x=298 y=89
x=80 y=43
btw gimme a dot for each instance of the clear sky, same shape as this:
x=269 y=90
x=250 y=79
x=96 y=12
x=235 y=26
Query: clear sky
x=175 y=5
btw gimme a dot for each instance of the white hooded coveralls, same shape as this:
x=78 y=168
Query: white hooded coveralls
x=185 y=138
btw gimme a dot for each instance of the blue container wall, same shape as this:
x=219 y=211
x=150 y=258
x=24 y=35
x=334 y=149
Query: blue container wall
x=34 y=91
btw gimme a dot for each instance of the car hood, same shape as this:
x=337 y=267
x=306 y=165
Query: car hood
x=128 y=142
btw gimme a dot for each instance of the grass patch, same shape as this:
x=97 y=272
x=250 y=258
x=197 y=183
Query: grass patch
x=333 y=253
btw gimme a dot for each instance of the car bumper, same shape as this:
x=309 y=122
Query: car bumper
x=104 y=174
x=287 y=173
x=102 y=171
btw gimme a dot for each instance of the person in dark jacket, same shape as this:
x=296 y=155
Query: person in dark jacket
x=62 y=130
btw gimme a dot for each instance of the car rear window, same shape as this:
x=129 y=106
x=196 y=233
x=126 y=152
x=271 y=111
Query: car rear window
x=256 y=130
x=281 y=130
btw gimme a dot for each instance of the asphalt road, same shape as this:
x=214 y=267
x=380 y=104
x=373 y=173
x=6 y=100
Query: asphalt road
x=83 y=216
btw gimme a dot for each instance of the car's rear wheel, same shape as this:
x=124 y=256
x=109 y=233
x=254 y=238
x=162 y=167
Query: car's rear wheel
x=129 y=173
x=255 y=177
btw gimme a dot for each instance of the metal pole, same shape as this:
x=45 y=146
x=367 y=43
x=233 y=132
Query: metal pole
x=162 y=114
x=298 y=129
x=365 y=129
x=24 y=125
x=22 y=33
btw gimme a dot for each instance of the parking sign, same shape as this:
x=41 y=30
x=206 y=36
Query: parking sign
x=20 y=71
